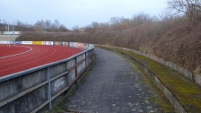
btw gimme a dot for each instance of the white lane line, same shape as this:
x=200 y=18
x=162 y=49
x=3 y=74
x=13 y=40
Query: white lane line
x=30 y=62
x=34 y=50
x=12 y=63
x=30 y=49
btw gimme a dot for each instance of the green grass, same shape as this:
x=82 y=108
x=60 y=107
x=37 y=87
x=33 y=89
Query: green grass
x=186 y=92
x=157 y=97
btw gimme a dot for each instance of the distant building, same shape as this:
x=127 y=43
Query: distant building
x=81 y=29
x=11 y=33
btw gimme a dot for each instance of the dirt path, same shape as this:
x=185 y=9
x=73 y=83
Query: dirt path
x=113 y=86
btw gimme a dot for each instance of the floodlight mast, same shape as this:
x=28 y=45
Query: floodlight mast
x=7 y=33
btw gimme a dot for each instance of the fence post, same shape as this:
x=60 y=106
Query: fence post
x=76 y=69
x=49 y=88
x=85 y=60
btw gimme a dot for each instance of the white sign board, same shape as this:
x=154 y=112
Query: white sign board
x=27 y=42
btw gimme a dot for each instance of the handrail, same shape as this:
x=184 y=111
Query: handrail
x=39 y=87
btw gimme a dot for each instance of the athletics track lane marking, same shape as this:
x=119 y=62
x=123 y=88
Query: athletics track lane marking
x=52 y=57
x=30 y=49
x=29 y=62
x=46 y=50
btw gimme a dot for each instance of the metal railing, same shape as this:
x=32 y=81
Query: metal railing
x=37 y=88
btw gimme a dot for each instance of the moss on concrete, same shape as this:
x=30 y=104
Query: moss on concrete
x=186 y=92
x=157 y=97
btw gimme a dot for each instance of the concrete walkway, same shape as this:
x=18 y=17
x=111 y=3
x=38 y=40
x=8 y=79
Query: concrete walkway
x=113 y=86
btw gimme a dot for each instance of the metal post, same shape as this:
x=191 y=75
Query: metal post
x=49 y=88
x=76 y=69
x=85 y=60
x=67 y=74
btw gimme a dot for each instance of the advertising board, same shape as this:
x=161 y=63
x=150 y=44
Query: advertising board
x=47 y=42
x=4 y=42
x=26 y=42
x=37 y=43
x=17 y=42
x=81 y=45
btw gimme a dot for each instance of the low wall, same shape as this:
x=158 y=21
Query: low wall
x=160 y=85
x=196 y=78
x=37 y=88
x=173 y=100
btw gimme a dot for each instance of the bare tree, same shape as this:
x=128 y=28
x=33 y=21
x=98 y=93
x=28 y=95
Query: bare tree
x=76 y=28
x=56 y=24
x=62 y=28
x=48 y=24
x=141 y=18
x=192 y=8
x=166 y=14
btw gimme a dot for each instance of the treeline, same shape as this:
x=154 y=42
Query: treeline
x=40 y=25
x=173 y=37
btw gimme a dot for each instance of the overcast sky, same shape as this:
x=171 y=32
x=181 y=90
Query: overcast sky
x=76 y=12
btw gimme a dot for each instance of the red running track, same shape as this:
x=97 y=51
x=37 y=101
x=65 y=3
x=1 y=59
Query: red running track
x=22 y=57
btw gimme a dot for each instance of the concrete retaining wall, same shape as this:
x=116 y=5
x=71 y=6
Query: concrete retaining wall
x=158 y=83
x=186 y=72
x=36 y=88
x=161 y=86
